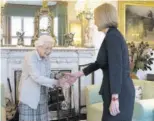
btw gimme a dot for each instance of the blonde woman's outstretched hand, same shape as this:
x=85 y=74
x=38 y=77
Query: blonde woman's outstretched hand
x=72 y=77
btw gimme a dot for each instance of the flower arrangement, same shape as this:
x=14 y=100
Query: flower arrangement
x=86 y=14
x=140 y=56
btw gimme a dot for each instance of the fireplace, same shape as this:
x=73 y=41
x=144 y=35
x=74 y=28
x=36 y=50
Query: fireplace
x=61 y=59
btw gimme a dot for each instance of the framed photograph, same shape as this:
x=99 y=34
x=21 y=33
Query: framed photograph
x=136 y=20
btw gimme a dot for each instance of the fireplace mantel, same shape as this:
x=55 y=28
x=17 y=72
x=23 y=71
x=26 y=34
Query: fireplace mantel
x=15 y=52
x=61 y=58
x=20 y=48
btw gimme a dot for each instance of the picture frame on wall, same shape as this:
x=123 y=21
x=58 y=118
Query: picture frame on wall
x=136 y=21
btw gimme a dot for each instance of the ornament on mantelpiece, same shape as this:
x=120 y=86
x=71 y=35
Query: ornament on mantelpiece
x=20 y=36
x=68 y=39
x=89 y=15
x=89 y=34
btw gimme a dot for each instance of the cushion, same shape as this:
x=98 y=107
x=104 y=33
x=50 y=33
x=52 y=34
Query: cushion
x=95 y=111
x=148 y=91
x=143 y=109
x=97 y=107
x=92 y=94
x=138 y=93
x=138 y=83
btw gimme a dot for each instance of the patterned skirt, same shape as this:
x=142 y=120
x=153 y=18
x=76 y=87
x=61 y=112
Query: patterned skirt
x=26 y=113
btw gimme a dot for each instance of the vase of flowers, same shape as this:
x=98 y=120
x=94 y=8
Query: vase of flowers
x=140 y=56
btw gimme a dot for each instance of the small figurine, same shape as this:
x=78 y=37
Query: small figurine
x=20 y=36
x=69 y=38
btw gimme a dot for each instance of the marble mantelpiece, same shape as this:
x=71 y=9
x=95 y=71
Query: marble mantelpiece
x=61 y=59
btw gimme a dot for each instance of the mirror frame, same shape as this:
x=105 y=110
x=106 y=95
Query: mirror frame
x=43 y=11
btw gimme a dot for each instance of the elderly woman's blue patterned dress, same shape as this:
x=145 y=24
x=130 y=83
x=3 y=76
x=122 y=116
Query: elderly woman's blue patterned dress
x=26 y=113
x=39 y=114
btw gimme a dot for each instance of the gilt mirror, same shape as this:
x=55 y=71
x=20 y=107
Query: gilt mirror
x=43 y=23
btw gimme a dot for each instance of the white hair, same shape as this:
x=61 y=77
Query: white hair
x=44 y=39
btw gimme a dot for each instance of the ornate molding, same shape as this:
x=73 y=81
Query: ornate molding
x=54 y=49
x=57 y=52
x=52 y=60
x=14 y=61
x=63 y=60
x=58 y=56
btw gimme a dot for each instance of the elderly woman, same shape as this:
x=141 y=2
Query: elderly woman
x=117 y=88
x=33 y=91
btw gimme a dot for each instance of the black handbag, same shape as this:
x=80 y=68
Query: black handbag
x=56 y=95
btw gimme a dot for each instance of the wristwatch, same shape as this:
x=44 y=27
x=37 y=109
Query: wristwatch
x=114 y=98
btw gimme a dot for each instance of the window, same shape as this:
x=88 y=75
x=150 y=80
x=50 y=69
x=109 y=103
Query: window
x=55 y=27
x=25 y=24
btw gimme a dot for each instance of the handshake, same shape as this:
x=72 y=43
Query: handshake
x=68 y=79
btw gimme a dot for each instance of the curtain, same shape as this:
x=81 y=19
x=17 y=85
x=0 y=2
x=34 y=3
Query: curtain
x=23 y=10
x=61 y=13
x=20 y=10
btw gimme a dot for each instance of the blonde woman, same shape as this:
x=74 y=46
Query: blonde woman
x=33 y=91
x=117 y=88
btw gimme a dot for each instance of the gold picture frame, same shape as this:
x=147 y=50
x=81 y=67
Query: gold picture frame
x=125 y=11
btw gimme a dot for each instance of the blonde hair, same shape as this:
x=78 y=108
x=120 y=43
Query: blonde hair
x=106 y=15
x=44 y=39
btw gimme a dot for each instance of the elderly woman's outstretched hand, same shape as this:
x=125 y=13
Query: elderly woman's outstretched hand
x=63 y=83
x=69 y=79
x=72 y=77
